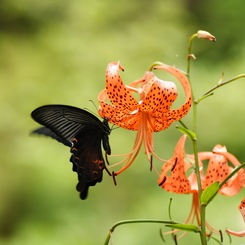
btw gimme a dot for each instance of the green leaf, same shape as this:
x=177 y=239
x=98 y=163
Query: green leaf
x=218 y=241
x=184 y=227
x=188 y=132
x=235 y=170
x=209 y=193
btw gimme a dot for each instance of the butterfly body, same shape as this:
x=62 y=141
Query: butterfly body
x=83 y=133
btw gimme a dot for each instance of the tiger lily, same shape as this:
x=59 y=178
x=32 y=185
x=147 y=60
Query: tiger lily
x=241 y=208
x=218 y=169
x=150 y=114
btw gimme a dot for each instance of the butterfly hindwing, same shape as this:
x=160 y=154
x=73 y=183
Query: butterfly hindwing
x=87 y=149
x=83 y=132
x=47 y=132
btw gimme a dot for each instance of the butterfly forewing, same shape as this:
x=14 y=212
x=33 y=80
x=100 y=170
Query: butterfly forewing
x=65 y=121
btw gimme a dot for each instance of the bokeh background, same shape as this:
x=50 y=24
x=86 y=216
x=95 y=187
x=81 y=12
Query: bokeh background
x=56 y=52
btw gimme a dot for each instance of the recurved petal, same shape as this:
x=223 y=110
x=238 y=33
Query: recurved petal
x=109 y=111
x=241 y=208
x=218 y=169
x=103 y=96
x=235 y=163
x=233 y=185
x=236 y=182
x=159 y=95
x=118 y=117
x=117 y=92
x=161 y=123
x=179 y=113
x=177 y=182
x=238 y=233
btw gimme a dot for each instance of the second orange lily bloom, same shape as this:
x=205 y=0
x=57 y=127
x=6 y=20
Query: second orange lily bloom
x=178 y=176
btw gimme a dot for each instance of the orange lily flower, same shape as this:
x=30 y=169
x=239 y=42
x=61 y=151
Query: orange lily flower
x=218 y=169
x=150 y=114
x=241 y=208
x=178 y=181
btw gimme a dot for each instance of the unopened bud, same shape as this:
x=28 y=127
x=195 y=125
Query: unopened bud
x=191 y=56
x=206 y=35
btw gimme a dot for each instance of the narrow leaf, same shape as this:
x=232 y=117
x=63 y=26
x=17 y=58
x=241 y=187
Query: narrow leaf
x=184 y=227
x=188 y=132
x=209 y=193
x=218 y=241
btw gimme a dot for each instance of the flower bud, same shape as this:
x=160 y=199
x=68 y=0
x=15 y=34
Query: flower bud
x=205 y=35
x=191 y=56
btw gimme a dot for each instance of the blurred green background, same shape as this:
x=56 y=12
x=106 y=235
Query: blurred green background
x=56 y=52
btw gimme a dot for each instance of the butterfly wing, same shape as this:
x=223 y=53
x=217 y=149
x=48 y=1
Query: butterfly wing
x=87 y=159
x=65 y=121
x=83 y=132
x=47 y=132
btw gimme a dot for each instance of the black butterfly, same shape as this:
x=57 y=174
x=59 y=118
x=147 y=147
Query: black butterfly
x=83 y=133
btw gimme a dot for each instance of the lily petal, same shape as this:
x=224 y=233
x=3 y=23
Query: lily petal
x=159 y=94
x=241 y=208
x=177 y=182
x=118 y=93
x=184 y=82
x=234 y=233
x=218 y=168
x=176 y=114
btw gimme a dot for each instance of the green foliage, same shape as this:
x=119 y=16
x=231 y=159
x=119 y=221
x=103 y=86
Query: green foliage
x=209 y=193
x=217 y=240
x=57 y=52
x=188 y=132
x=185 y=227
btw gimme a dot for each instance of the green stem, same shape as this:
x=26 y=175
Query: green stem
x=136 y=221
x=180 y=121
x=235 y=170
x=194 y=106
x=220 y=84
x=189 y=53
x=202 y=207
x=203 y=225
x=195 y=151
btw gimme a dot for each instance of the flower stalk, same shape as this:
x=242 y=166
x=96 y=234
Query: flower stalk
x=220 y=84
x=199 y=34
x=141 y=116
x=137 y=221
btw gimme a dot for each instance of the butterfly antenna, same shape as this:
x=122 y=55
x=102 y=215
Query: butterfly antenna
x=93 y=104
x=114 y=127
x=90 y=110
x=97 y=109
